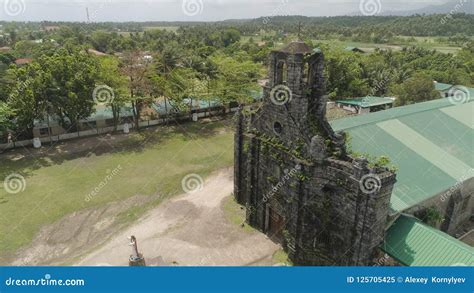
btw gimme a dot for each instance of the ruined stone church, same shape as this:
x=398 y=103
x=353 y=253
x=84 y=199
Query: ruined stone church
x=295 y=177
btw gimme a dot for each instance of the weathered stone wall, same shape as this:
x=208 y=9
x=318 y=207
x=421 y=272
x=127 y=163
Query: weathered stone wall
x=299 y=178
x=454 y=205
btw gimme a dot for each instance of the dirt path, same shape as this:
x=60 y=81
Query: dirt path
x=191 y=229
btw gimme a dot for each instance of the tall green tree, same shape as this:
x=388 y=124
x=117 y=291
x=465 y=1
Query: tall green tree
x=137 y=69
x=418 y=88
x=234 y=79
x=74 y=76
x=6 y=114
x=28 y=93
x=61 y=84
x=110 y=75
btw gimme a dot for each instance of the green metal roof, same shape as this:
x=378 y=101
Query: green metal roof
x=351 y=48
x=366 y=102
x=439 y=86
x=413 y=243
x=443 y=87
x=430 y=143
x=105 y=112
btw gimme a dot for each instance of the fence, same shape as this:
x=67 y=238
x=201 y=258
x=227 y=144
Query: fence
x=177 y=118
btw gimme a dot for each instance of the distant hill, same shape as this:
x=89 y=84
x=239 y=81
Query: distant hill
x=457 y=6
x=415 y=25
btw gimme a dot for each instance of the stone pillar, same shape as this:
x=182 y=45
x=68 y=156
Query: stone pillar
x=238 y=161
x=251 y=181
x=372 y=210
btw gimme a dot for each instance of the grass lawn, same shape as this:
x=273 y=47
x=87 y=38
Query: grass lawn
x=281 y=257
x=235 y=213
x=149 y=163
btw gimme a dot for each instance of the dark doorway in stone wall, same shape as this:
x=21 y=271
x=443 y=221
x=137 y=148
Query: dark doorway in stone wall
x=276 y=224
x=277 y=128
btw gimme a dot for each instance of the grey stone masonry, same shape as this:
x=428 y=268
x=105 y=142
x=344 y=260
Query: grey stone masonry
x=294 y=176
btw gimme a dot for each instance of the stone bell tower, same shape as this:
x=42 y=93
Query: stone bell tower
x=293 y=174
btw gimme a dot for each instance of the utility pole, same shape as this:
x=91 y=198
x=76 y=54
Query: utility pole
x=87 y=13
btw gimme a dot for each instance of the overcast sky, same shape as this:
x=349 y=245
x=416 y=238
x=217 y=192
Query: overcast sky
x=192 y=10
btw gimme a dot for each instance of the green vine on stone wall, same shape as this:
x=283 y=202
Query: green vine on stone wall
x=277 y=144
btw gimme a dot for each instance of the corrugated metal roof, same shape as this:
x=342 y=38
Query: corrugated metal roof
x=366 y=102
x=439 y=86
x=103 y=112
x=431 y=143
x=413 y=243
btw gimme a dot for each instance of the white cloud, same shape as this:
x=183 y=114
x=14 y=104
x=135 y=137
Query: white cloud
x=171 y=10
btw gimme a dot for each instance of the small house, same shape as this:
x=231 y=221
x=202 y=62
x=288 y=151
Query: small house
x=366 y=104
x=354 y=49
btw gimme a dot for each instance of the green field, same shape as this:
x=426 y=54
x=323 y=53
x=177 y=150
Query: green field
x=440 y=44
x=369 y=47
x=150 y=163
x=166 y=28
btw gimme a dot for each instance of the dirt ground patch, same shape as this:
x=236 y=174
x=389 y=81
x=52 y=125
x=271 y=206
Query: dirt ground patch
x=189 y=230
x=62 y=242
